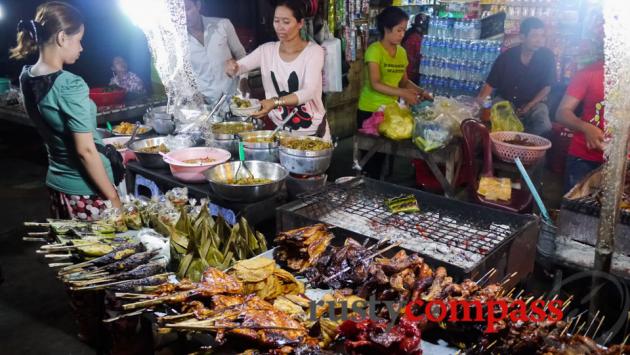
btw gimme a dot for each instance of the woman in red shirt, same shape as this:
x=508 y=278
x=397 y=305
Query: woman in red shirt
x=586 y=149
x=412 y=42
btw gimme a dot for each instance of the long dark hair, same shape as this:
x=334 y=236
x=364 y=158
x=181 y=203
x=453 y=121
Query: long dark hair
x=50 y=19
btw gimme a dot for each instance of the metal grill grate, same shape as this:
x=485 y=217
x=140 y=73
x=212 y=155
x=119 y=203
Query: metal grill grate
x=358 y=207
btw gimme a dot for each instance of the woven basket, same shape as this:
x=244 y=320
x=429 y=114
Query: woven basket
x=528 y=155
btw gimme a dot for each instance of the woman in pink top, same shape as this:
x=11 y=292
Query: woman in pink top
x=292 y=74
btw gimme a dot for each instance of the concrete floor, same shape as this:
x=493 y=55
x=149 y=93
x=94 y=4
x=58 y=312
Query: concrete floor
x=34 y=313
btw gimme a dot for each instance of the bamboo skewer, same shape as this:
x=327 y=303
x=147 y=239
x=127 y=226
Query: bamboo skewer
x=81 y=288
x=59 y=264
x=566 y=327
x=591 y=324
x=176 y=316
x=206 y=327
x=39 y=240
x=508 y=278
x=599 y=326
x=131 y=314
x=38 y=234
x=36 y=224
x=487 y=275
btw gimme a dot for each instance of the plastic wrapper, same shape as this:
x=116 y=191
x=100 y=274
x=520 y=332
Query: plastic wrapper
x=431 y=133
x=113 y=217
x=179 y=142
x=504 y=118
x=397 y=124
x=178 y=196
x=455 y=111
x=153 y=240
x=131 y=216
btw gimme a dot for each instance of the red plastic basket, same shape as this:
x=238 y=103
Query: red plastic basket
x=107 y=98
x=528 y=155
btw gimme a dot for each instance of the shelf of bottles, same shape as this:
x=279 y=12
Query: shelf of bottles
x=454 y=61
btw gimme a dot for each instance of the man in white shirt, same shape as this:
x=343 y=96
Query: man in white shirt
x=212 y=41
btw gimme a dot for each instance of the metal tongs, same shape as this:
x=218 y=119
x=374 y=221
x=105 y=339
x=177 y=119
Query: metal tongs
x=218 y=104
x=241 y=157
x=286 y=120
x=133 y=135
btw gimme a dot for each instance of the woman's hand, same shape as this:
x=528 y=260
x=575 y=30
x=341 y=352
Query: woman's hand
x=266 y=107
x=410 y=96
x=231 y=68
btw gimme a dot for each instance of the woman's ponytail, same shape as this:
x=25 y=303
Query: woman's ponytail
x=26 y=40
x=50 y=18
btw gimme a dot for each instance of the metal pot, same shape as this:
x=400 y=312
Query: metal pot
x=161 y=121
x=218 y=175
x=227 y=141
x=149 y=160
x=305 y=162
x=265 y=151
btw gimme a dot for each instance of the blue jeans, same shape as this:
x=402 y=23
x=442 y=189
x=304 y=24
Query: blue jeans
x=576 y=170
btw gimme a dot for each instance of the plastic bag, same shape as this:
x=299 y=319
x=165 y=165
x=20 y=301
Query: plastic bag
x=432 y=132
x=398 y=123
x=332 y=62
x=455 y=111
x=504 y=118
x=370 y=126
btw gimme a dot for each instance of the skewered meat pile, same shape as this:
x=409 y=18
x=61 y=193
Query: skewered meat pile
x=301 y=248
x=328 y=271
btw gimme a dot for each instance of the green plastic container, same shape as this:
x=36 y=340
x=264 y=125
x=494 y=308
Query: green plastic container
x=5 y=84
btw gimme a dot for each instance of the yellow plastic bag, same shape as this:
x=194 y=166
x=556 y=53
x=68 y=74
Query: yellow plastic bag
x=398 y=123
x=504 y=118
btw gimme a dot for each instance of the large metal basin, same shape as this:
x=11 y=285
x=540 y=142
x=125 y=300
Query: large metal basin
x=149 y=160
x=218 y=176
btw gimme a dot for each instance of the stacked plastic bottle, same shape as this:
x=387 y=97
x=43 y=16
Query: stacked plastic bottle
x=455 y=62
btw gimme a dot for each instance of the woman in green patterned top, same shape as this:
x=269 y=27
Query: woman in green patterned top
x=79 y=177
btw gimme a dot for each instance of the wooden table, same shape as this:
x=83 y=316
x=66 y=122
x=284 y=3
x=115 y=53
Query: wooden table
x=16 y=114
x=449 y=156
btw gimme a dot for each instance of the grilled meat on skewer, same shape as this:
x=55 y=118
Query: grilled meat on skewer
x=132 y=284
x=301 y=248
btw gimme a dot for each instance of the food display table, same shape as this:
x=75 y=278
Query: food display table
x=449 y=156
x=254 y=212
x=16 y=113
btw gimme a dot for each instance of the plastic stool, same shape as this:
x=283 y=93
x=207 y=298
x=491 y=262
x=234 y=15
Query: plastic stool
x=149 y=184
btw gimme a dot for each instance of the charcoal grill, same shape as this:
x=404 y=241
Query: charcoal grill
x=467 y=239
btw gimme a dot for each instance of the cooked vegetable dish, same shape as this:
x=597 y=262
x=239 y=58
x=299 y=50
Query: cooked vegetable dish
x=155 y=149
x=249 y=181
x=127 y=128
x=206 y=160
x=262 y=139
x=232 y=128
x=241 y=103
x=306 y=144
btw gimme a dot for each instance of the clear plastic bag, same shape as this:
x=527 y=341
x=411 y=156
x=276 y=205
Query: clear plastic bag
x=432 y=131
x=504 y=118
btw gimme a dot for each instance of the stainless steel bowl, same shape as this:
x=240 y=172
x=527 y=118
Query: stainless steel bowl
x=305 y=153
x=226 y=136
x=265 y=151
x=305 y=162
x=218 y=175
x=149 y=160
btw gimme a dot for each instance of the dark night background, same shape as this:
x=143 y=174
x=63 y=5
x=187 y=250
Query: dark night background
x=110 y=33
